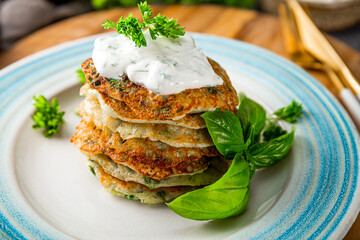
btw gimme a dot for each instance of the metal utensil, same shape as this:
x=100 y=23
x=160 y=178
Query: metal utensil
x=317 y=45
x=299 y=54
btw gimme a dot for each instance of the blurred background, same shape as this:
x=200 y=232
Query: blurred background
x=18 y=18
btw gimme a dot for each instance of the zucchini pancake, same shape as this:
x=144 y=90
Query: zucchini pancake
x=141 y=127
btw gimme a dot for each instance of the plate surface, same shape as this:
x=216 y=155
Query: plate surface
x=48 y=192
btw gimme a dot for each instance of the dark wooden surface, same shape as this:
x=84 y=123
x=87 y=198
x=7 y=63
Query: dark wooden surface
x=249 y=26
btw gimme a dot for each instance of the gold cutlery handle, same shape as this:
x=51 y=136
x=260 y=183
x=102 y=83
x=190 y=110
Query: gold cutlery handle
x=346 y=95
x=349 y=80
x=317 y=45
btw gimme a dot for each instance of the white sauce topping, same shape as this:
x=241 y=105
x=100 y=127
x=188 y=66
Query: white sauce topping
x=165 y=66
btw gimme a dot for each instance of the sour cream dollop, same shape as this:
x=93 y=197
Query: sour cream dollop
x=165 y=66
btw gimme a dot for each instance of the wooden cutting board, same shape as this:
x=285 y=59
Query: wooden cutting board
x=249 y=26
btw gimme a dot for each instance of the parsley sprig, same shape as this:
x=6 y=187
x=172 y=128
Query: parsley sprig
x=47 y=115
x=289 y=113
x=132 y=28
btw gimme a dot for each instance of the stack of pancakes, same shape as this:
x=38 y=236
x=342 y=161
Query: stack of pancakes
x=150 y=147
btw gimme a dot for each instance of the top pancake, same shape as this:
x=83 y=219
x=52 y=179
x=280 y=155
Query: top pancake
x=149 y=105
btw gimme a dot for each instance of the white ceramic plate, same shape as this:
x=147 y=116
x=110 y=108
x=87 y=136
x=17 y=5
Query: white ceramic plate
x=48 y=192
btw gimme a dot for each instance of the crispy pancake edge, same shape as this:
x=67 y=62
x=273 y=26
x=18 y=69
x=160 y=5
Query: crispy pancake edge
x=175 y=136
x=216 y=169
x=119 y=109
x=162 y=163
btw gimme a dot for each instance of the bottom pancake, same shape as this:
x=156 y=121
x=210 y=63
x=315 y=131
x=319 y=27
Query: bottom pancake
x=136 y=191
x=215 y=170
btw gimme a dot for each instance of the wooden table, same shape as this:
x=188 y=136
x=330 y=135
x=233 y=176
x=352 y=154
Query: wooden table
x=249 y=26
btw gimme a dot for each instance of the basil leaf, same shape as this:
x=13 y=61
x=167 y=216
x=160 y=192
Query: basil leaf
x=250 y=113
x=289 y=113
x=227 y=197
x=226 y=132
x=267 y=153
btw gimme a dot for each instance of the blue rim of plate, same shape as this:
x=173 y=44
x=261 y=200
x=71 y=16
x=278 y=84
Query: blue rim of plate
x=326 y=199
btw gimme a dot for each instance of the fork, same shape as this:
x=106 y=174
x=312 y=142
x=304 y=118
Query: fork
x=299 y=54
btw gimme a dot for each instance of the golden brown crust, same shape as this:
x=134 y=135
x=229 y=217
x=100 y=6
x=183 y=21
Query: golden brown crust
x=148 y=105
x=175 y=136
x=148 y=158
x=217 y=168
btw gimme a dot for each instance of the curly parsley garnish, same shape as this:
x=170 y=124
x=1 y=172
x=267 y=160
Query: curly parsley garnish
x=47 y=115
x=289 y=113
x=132 y=28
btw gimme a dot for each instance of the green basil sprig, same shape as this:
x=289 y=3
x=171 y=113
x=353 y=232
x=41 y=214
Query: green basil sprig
x=227 y=197
x=237 y=136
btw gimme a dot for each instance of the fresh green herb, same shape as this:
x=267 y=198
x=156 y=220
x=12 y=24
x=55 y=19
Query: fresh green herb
x=226 y=132
x=130 y=27
x=272 y=131
x=81 y=76
x=47 y=116
x=289 y=113
x=92 y=170
x=267 y=153
x=227 y=197
x=158 y=25
x=237 y=137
